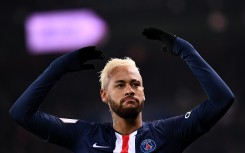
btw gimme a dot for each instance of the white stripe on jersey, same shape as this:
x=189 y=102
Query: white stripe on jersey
x=130 y=146
x=67 y=120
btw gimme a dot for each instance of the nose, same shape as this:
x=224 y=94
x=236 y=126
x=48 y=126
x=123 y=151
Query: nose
x=129 y=91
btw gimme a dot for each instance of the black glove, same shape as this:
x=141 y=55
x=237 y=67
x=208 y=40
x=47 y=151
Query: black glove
x=166 y=38
x=75 y=61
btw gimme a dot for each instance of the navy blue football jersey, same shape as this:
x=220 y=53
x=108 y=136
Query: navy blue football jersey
x=171 y=135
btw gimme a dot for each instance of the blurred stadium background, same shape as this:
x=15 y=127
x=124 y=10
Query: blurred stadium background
x=215 y=28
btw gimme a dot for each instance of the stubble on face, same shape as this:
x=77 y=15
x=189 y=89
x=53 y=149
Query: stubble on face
x=126 y=112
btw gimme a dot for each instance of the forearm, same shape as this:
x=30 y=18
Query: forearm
x=28 y=103
x=219 y=95
x=25 y=110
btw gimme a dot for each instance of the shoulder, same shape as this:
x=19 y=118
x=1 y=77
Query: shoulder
x=164 y=124
x=88 y=125
x=82 y=125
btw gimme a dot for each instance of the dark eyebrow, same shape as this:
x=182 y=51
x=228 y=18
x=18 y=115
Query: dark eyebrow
x=135 y=80
x=122 y=81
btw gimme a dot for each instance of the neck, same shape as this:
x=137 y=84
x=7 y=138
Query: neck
x=126 y=126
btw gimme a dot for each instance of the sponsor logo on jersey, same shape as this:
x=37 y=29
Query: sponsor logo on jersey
x=148 y=145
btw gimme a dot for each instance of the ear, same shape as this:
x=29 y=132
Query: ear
x=143 y=92
x=103 y=95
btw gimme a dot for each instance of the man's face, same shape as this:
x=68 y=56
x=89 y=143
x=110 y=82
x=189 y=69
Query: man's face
x=125 y=92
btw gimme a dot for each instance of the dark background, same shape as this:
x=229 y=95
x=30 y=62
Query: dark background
x=215 y=28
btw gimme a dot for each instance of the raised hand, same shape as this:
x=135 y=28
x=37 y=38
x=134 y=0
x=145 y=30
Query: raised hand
x=76 y=61
x=166 y=38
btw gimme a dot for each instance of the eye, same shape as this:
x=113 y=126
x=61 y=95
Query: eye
x=135 y=84
x=119 y=85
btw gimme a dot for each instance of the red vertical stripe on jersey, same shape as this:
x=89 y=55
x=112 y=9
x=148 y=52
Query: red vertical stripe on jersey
x=125 y=139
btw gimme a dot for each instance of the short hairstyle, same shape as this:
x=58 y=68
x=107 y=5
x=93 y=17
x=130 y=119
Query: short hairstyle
x=113 y=62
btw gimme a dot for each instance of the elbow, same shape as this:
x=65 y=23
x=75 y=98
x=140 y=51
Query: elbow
x=231 y=98
x=13 y=113
x=17 y=114
x=228 y=99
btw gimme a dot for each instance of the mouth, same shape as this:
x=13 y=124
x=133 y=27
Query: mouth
x=129 y=100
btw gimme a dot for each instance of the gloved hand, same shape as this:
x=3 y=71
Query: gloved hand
x=166 y=38
x=75 y=61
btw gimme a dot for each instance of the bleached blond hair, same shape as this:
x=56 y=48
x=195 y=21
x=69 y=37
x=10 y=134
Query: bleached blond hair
x=113 y=62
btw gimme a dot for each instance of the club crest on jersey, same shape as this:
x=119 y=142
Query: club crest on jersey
x=148 y=145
